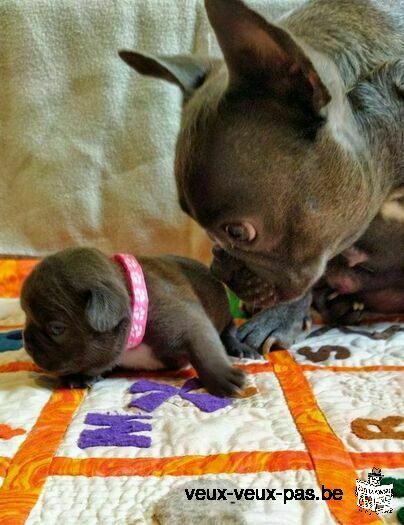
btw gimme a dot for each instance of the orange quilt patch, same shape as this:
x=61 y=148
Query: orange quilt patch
x=12 y=274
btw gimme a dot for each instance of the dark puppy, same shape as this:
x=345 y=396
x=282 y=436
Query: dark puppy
x=369 y=277
x=289 y=174
x=78 y=309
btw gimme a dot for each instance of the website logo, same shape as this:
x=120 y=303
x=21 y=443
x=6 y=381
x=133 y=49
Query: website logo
x=372 y=495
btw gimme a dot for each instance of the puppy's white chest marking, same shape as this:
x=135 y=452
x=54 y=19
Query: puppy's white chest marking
x=140 y=358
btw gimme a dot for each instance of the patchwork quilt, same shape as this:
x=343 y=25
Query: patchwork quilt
x=317 y=437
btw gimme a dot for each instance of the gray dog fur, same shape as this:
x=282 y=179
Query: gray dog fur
x=78 y=316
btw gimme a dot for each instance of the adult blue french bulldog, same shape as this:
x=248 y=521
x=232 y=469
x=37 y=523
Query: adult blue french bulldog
x=297 y=157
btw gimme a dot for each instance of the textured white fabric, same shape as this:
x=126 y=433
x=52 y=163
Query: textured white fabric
x=131 y=500
x=86 y=145
x=181 y=429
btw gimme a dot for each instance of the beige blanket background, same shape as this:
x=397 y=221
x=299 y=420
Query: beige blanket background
x=86 y=145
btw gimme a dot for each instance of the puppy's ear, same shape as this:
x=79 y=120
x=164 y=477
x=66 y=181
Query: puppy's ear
x=187 y=72
x=105 y=309
x=262 y=55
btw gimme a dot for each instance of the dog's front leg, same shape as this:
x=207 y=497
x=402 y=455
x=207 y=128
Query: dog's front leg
x=281 y=324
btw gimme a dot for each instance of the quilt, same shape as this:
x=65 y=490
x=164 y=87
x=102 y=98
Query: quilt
x=316 y=438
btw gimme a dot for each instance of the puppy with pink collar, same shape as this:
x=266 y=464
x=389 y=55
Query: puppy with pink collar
x=87 y=313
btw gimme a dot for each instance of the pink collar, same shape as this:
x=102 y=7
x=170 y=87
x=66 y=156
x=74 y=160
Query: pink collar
x=138 y=296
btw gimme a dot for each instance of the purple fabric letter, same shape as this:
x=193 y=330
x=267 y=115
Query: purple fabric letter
x=117 y=431
x=159 y=393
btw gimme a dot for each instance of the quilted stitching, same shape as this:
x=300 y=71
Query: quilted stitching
x=253 y=442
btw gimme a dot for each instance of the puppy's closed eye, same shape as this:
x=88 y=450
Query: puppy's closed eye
x=55 y=328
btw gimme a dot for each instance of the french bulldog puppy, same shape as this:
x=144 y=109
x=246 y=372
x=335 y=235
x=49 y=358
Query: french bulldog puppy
x=272 y=132
x=79 y=318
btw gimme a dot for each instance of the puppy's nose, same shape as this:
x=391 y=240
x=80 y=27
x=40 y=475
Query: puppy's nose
x=217 y=251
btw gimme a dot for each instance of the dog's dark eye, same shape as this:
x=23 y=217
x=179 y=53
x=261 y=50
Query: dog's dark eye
x=241 y=231
x=56 y=328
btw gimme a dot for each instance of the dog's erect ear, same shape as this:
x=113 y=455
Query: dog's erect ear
x=187 y=72
x=105 y=309
x=263 y=55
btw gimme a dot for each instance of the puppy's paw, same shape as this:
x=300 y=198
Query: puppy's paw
x=224 y=381
x=337 y=309
x=80 y=381
x=282 y=324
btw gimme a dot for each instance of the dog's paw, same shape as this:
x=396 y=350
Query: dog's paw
x=224 y=382
x=243 y=351
x=80 y=381
x=281 y=324
x=236 y=348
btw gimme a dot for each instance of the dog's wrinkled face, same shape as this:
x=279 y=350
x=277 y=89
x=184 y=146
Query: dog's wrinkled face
x=263 y=211
x=77 y=313
x=256 y=163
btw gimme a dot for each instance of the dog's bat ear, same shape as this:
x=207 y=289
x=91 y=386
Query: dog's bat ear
x=264 y=56
x=187 y=72
x=104 y=309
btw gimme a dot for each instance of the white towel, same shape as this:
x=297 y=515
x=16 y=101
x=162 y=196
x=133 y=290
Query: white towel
x=86 y=144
